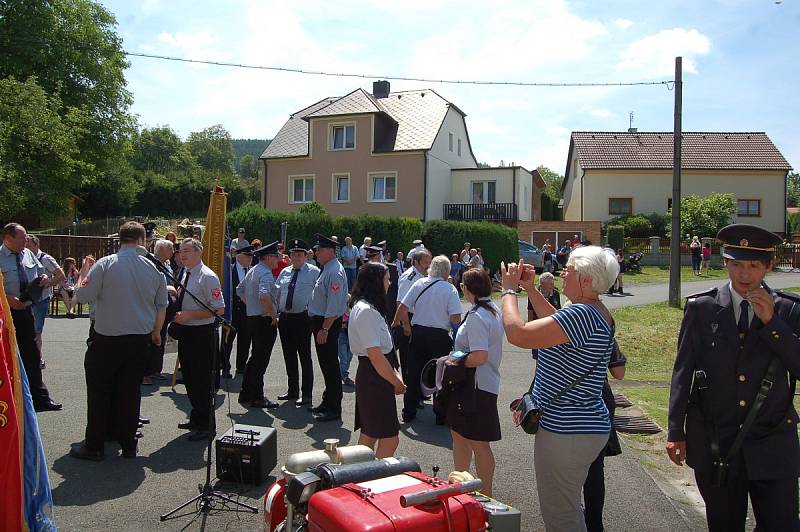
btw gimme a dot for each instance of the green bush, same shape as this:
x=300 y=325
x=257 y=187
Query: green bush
x=616 y=236
x=636 y=225
x=497 y=242
x=794 y=222
x=660 y=223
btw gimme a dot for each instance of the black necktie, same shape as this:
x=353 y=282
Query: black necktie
x=23 y=277
x=744 y=322
x=290 y=295
x=179 y=302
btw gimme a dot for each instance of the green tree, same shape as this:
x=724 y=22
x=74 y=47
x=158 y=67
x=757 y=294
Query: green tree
x=793 y=189
x=552 y=182
x=39 y=153
x=212 y=149
x=705 y=216
x=73 y=50
x=161 y=150
x=248 y=167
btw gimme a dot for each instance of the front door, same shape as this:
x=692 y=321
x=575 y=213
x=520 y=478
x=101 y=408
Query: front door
x=484 y=192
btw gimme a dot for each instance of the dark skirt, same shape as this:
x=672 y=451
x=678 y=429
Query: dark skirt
x=483 y=424
x=376 y=409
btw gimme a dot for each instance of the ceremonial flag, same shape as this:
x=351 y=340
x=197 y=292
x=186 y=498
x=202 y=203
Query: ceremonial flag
x=214 y=235
x=27 y=502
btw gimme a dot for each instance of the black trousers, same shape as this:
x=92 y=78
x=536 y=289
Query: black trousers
x=196 y=353
x=263 y=334
x=774 y=502
x=155 y=364
x=114 y=367
x=594 y=494
x=426 y=343
x=402 y=345
x=295 y=332
x=328 y=357
x=239 y=321
x=31 y=356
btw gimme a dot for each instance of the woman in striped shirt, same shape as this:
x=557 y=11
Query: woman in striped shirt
x=574 y=346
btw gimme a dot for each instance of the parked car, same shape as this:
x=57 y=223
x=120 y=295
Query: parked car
x=530 y=253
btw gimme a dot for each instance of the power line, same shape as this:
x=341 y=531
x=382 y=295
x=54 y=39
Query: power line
x=668 y=83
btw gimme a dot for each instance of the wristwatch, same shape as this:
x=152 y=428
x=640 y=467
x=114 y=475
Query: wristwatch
x=508 y=291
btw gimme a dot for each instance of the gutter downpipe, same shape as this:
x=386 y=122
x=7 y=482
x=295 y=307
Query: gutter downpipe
x=264 y=190
x=425 y=187
x=583 y=174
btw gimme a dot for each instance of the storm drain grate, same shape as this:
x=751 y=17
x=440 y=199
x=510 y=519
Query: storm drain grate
x=635 y=425
x=621 y=401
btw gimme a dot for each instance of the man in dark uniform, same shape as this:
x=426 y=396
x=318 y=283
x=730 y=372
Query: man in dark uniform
x=326 y=308
x=731 y=415
x=295 y=283
x=239 y=312
x=394 y=277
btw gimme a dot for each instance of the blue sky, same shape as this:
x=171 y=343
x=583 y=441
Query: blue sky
x=740 y=64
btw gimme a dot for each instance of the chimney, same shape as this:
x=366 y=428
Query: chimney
x=632 y=130
x=380 y=89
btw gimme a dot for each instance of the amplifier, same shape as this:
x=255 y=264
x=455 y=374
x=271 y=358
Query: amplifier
x=247 y=453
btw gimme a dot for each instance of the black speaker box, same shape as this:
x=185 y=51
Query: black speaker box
x=247 y=453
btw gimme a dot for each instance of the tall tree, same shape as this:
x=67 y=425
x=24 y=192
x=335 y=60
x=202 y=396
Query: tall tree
x=793 y=189
x=39 y=154
x=248 y=167
x=73 y=50
x=161 y=150
x=552 y=182
x=212 y=149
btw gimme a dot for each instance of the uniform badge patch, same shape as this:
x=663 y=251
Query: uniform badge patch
x=335 y=287
x=216 y=293
x=714 y=327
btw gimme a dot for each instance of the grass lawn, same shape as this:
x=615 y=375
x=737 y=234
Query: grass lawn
x=660 y=274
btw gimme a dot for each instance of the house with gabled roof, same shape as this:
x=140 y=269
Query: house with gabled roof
x=611 y=174
x=389 y=153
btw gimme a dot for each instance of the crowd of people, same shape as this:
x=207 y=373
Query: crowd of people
x=401 y=317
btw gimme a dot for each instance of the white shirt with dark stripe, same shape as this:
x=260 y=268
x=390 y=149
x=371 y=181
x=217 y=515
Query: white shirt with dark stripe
x=580 y=410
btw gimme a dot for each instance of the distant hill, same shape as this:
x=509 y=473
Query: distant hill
x=254 y=147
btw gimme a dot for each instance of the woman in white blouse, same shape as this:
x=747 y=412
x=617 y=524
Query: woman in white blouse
x=378 y=379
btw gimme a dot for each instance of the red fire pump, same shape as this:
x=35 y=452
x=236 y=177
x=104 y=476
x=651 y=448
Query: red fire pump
x=380 y=495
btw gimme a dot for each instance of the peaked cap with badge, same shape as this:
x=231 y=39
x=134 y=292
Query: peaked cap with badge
x=269 y=249
x=298 y=245
x=325 y=242
x=747 y=242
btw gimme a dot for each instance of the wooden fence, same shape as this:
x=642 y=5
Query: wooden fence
x=62 y=246
x=788 y=256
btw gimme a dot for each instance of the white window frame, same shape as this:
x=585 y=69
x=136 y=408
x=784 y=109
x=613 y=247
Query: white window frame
x=371 y=176
x=450 y=139
x=331 y=129
x=304 y=177
x=459 y=147
x=335 y=187
x=484 y=193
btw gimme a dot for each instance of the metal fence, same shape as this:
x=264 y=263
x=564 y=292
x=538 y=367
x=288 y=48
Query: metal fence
x=634 y=245
x=787 y=256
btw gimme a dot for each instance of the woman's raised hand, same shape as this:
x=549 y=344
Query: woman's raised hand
x=511 y=275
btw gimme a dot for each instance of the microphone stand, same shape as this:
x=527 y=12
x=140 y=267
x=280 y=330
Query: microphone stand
x=208 y=497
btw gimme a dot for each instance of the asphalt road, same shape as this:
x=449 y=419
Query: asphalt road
x=119 y=494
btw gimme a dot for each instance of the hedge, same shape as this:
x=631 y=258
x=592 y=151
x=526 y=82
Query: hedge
x=497 y=242
x=616 y=236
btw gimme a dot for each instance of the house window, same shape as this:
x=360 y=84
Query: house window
x=484 y=192
x=301 y=189
x=343 y=136
x=620 y=206
x=383 y=187
x=341 y=188
x=459 y=147
x=451 y=141
x=748 y=207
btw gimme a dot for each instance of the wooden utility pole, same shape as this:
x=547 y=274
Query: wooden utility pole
x=675 y=240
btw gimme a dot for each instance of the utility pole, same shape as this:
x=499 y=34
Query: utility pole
x=675 y=240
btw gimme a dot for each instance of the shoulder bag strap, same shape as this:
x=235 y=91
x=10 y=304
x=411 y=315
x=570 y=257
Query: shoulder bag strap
x=425 y=290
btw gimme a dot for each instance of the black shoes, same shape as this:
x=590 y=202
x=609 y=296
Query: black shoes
x=129 y=453
x=303 y=401
x=287 y=396
x=48 y=406
x=328 y=416
x=408 y=418
x=317 y=409
x=81 y=452
x=144 y=420
x=186 y=425
x=347 y=381
x=264 y=403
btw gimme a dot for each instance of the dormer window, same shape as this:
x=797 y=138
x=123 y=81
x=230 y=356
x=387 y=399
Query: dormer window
x=342 y=137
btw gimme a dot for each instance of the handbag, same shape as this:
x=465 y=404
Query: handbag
x=178 y=331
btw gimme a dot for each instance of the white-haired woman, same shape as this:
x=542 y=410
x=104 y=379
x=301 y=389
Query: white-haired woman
x=434 y=305
x=574 y=346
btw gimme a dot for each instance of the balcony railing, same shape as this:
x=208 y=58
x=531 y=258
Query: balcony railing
x=481 y=212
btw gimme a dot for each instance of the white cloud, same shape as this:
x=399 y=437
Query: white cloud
x=654 y=55
x=602 y=113
x=623 y=23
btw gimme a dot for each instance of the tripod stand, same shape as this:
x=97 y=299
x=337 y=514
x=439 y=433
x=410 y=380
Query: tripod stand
x=208 y=497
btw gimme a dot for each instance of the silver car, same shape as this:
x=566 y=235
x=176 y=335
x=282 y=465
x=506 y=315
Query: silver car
x=530 y=253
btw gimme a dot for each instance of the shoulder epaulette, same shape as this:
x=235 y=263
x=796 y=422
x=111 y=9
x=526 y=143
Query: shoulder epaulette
x=692 y=297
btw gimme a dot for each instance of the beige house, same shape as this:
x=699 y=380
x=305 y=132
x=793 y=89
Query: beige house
x=392 y=154
x=611 y=174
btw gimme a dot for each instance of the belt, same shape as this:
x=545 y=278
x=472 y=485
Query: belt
x=431 y=328
x=301 y=313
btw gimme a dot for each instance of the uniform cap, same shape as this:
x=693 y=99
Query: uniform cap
x=427 y=380
x=269 y=249
x=325 y=242
x=417 y=242
x=381 y=244
x=371 y=251
x=246 y=250
x=298 y=245
x=747 y=242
